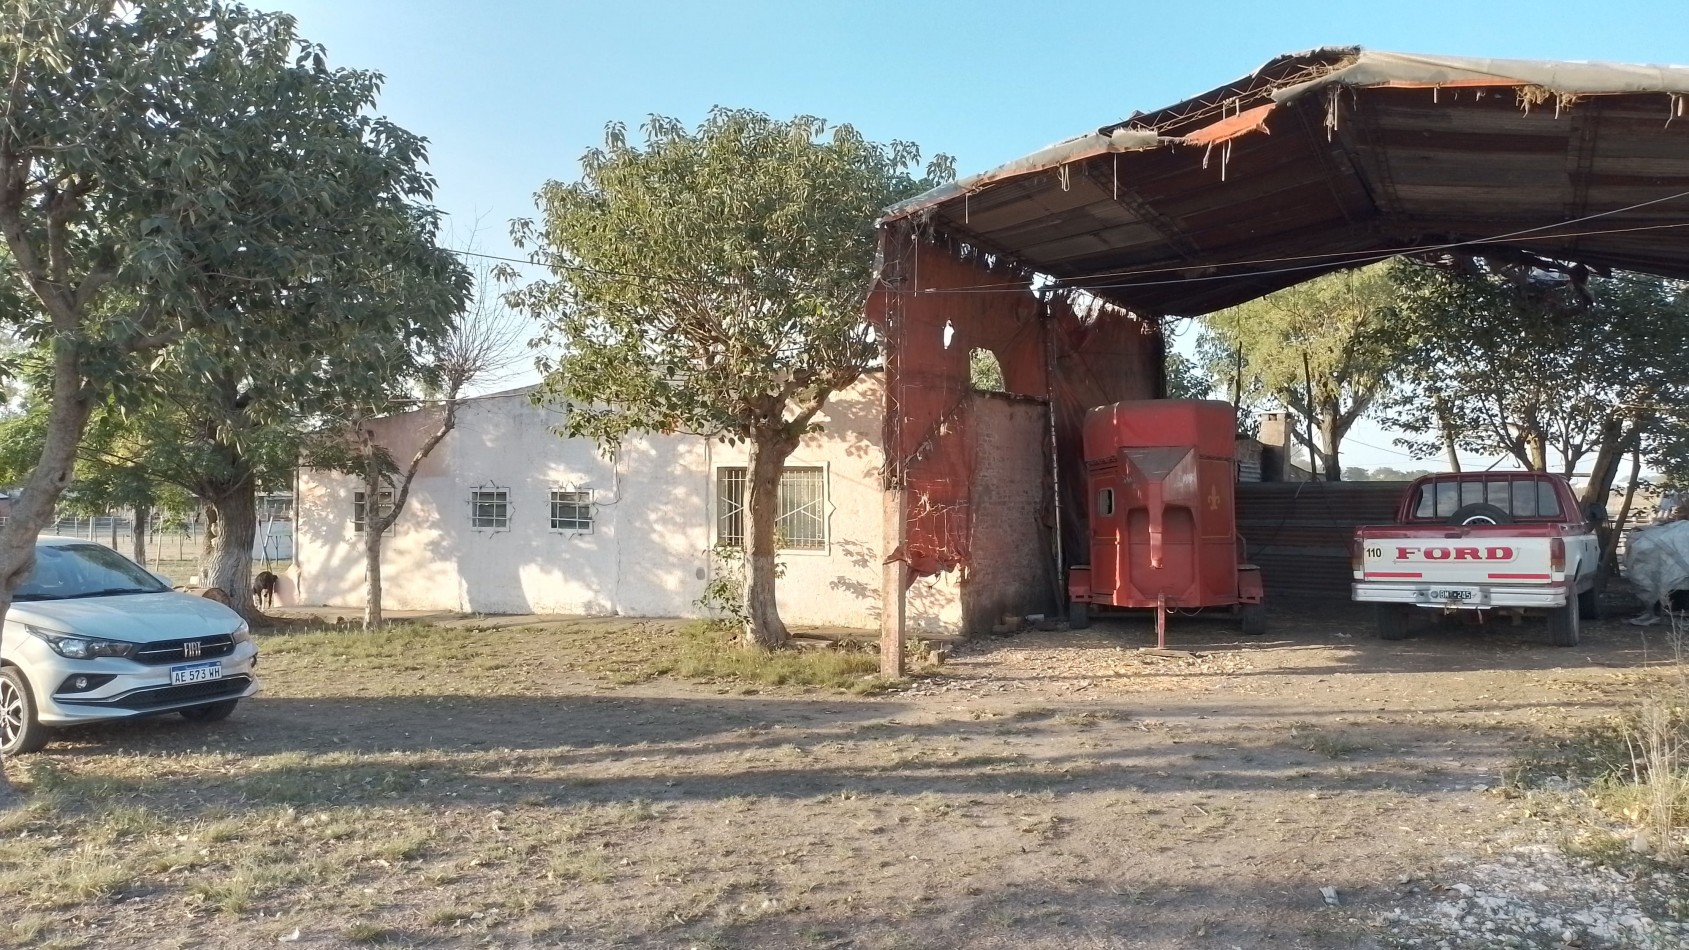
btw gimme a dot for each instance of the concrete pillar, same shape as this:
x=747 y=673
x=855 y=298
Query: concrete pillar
x=894 y=583
x=1275 y=447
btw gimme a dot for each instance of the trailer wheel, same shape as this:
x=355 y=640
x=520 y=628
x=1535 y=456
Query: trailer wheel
x=1563 y=624
x=1254 y=620
x=1078 y=615
x=1392 y=620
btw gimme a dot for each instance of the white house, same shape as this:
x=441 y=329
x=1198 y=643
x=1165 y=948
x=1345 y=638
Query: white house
x=509 y=516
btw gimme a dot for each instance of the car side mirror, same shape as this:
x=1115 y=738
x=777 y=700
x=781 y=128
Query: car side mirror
x=1597 y=513
x=167 y=582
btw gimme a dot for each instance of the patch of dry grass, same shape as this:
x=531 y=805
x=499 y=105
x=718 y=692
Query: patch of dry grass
x=1634 y=768
x=1330 y=743
x=709 y=653
x=623 y=652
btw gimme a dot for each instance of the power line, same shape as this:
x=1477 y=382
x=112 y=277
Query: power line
x=1380 y=448
x=587 y=268
x=1322 y=260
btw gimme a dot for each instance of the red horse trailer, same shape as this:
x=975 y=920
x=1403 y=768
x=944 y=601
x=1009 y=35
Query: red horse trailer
x=1162 y=478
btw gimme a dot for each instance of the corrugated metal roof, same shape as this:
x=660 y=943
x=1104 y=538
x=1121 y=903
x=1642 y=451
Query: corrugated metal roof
x=1336 y=157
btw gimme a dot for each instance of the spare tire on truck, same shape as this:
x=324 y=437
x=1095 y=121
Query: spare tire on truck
x=1480 y=513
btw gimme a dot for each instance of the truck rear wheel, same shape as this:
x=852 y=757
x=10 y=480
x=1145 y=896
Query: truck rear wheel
x=1563 y=624
x=1392 y=621
x=1589 y=605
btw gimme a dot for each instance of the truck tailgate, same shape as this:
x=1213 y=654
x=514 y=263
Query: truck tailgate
x=1438 y=560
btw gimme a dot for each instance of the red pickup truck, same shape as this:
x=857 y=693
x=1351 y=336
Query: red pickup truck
x=1482 y=541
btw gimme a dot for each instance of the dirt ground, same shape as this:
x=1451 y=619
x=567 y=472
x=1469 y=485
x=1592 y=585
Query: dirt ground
x=1046 y=790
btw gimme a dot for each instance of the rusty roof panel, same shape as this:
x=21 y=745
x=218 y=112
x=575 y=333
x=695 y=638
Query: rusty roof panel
x=1418 y=151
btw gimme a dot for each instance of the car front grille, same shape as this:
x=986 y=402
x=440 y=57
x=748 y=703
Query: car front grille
x=180 y=651
x=158 y=697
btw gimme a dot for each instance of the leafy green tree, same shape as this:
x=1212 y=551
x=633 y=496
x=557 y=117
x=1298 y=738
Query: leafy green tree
x=1314 y=348
x=1533 y=361
x=1382 y=474
x=985 y=372
x=112 y=472
x=186 y=176
x=712 y=282
x=1186 y=380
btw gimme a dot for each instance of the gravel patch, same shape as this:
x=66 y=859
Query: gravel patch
x=1536 y=896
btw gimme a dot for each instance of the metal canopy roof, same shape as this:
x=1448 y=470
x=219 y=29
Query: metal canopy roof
x=1334 y=158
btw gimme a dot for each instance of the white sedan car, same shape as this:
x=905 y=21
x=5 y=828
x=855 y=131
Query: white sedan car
x=92 y=636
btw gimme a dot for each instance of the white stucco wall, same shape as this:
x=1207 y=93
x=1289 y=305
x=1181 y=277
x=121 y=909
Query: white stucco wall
x=654 y=523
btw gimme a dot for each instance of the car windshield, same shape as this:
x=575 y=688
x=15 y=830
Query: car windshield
x=64 y=571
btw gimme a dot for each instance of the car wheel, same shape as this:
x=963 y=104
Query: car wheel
x=1392 y=622
x=1078 y=615
x=20 y=731
x=1254 y=620
x=1563 y=624
x=210 y=712
x=1479 y=513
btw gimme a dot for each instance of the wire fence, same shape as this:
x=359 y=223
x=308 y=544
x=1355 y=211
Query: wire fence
x=178 y=542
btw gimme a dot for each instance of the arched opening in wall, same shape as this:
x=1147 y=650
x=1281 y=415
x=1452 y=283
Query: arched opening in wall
x=984 y=372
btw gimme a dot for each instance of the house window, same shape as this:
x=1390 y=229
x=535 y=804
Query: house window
x=801 y=524
x=360 y=509
x=571 y=511
x=489 y=509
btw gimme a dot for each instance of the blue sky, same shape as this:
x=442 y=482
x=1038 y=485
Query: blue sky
x=510 y=92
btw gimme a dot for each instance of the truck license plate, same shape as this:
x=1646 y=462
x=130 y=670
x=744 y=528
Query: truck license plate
x=1454 y=595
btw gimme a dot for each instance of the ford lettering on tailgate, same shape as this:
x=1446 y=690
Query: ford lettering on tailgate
x=1494 y=553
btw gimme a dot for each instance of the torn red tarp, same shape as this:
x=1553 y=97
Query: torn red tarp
x=1249 y=120
x=945 y=307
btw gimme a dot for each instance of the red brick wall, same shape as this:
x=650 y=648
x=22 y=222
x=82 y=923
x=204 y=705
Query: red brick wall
x=1009 y=509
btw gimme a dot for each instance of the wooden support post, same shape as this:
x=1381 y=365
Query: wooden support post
x=894 y=588
x=1161 y=622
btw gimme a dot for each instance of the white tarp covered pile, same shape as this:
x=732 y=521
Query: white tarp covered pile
x=1656 y=562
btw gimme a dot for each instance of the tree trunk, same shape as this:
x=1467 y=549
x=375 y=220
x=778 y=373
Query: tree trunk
x=763 y=626
x=377 y=523
x=138 y=536
x=1609 y=453
x=35 y=506
x=1331 y=441
x=372 y=578
x=373 y=527
x=1446 y=425
x=1610 y=546
x=227 y=559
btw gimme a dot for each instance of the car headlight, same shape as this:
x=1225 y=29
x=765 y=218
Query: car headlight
x=242 y=633
x=80 y=648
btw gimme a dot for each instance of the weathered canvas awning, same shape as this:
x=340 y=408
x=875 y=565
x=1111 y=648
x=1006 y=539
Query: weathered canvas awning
x=1337 y=157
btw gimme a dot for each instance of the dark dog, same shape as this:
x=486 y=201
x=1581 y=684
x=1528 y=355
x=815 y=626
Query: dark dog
x=264 y=588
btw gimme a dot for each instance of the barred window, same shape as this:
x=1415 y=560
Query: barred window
x=360 y=509
x=489 y=508
x=571 y=511
x=801 y=524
